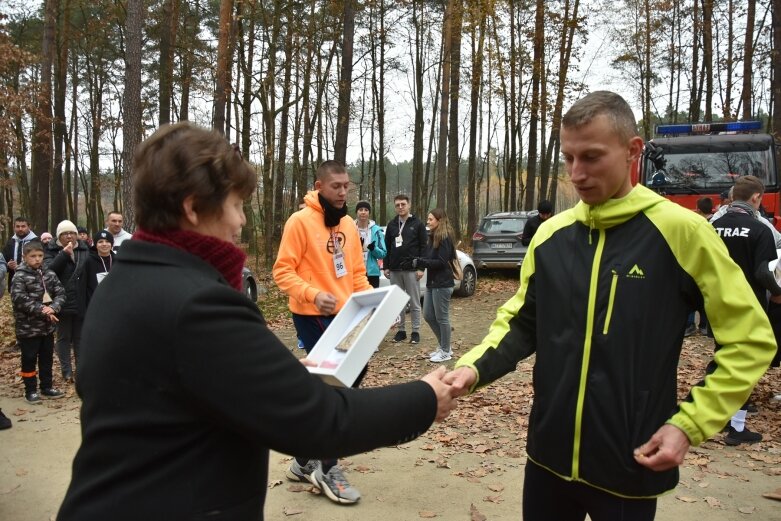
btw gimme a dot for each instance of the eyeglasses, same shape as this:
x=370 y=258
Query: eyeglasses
x=401 y=205
x=68 y=233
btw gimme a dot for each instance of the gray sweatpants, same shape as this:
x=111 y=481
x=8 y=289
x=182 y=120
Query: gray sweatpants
x=408 y=281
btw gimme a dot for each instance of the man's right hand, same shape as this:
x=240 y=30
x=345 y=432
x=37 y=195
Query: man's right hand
x=325 y=303
x=446 y=400
x=460 y=380
x=11 y=264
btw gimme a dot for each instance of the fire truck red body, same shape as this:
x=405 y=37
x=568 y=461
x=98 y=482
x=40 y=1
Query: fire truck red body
x=688 y=162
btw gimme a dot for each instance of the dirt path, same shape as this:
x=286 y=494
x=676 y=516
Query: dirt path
x=475 y=460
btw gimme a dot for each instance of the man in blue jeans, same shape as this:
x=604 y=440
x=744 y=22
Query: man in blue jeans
x=319 y=265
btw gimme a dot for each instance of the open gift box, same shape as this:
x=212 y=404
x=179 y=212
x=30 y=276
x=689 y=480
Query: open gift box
x=356 y=331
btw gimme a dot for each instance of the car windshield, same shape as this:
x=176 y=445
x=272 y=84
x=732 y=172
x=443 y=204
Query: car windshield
x=709 y=169
x=708 y=163
x=502 y=225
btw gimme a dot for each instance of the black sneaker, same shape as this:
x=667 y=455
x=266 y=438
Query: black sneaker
x=33 y=398
x=690 y=331
x=734 y=437
x=52 y=393
x=415 y=338
x=400 y=336
x=5 y=422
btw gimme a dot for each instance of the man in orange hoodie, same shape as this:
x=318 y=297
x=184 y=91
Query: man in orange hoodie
x=319 y=265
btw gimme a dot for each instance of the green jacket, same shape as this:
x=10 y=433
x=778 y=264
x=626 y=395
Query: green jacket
x=603 y=300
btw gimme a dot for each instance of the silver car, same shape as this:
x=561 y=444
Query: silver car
x=497 y=241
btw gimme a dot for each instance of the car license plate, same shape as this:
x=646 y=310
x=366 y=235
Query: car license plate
x=501 y=245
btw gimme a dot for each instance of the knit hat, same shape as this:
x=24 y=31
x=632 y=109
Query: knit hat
x=46 y=235
x=82 y=229
x=103 y=235
x=66 y=226
x=363 y=204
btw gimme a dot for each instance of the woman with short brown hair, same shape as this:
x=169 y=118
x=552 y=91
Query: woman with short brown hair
x=184 y=388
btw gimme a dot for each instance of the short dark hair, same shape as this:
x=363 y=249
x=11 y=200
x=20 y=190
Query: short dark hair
x=183 y=160
x=545 y=207
x=705 y=205
x=746 y=186
x=34 y=245
x=401 y=197
x=603 y=103
x=328 y=167
x=21 y=219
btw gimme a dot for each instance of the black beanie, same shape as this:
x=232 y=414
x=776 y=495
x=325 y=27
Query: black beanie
x=103 y=235
x=363 y=204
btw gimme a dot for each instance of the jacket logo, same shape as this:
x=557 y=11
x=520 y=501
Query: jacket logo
x=636 y=273
x=732 y=232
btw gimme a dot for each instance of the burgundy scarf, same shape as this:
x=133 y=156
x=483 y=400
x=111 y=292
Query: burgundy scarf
x=224 y=256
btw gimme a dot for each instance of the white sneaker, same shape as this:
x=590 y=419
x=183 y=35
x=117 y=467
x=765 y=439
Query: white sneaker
x=777 y=397
x=441 y=356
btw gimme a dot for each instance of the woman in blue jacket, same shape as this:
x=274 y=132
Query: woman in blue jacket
x=372 y=240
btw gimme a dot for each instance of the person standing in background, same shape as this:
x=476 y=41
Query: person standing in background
x=405 y=240
x=544 y=212
x=114 y=222
x=67 y=257
x=440 y=252
x=12 y=251
x=372 y=242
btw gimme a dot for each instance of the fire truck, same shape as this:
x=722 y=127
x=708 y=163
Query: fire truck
x=688 y=161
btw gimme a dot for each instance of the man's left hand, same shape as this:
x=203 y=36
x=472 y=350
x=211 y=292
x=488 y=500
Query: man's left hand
x=665 y=450
x=419 y=274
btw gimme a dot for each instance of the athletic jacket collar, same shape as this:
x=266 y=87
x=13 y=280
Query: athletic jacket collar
x=616 y=211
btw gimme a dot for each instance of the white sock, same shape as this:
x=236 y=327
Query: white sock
x=738 y=421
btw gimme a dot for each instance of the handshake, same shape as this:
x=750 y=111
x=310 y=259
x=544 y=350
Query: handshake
x=448 y=386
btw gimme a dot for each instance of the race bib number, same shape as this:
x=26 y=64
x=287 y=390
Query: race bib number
x=339 y=268
x=399 y=241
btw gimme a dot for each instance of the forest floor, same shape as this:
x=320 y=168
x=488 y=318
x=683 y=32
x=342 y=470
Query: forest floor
x=468 y=468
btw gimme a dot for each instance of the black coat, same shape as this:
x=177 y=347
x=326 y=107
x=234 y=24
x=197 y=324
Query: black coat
x=414 y=238
x=185 y=389
x=437 y=262
x=95 y=265
x=72 y=275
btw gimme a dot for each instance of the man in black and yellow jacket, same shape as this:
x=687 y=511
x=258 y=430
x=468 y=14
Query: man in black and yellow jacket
x=605 y=290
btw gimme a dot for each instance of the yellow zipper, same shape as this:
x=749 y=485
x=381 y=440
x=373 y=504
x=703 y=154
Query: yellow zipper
x=610 y=302
x=592 y=297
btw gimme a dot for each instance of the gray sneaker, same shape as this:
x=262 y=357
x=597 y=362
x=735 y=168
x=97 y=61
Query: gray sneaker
x=296 y=472
x=335 y=485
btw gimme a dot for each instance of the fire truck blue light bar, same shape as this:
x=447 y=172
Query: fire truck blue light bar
x=706 y=128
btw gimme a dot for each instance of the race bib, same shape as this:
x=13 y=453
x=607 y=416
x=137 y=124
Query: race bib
x=101 y=276
x=399 y=241
x=339 y=268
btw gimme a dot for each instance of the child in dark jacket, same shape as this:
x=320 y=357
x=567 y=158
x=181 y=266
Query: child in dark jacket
x=37 y=297
x=101 y=258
